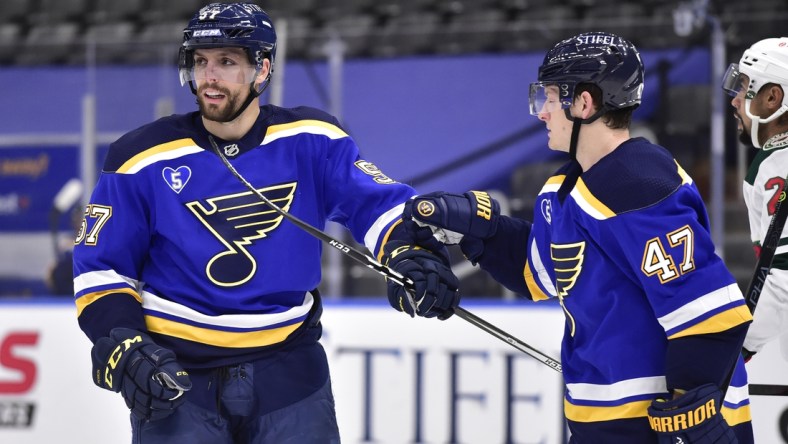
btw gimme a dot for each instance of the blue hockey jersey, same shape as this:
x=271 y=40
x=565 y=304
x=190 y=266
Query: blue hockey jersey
x=174 y=244
x=625 y=246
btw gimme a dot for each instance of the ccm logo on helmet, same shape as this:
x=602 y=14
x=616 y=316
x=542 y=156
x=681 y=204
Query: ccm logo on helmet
x=207 y=33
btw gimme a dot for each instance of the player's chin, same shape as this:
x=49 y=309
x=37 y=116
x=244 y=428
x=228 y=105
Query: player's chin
x=555 y=146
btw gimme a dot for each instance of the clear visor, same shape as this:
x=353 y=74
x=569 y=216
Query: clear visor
x=224 y=70
x=546 y=97
x=732 y=80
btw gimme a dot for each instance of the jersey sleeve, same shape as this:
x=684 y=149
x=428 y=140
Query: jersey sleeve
x=668 y=249
x=108 y=256
x=360 y=196
x=505 y=255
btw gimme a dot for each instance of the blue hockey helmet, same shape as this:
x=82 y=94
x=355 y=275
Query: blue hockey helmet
x=218 y=25
x=603 y=59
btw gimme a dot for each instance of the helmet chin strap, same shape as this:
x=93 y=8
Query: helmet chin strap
x=576 y=122
x=757 y=120
x=253 y=94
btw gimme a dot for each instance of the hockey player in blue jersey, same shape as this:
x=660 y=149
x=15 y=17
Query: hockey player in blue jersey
x=201 y=300
x=620 y=235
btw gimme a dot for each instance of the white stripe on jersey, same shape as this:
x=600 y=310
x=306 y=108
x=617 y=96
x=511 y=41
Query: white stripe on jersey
x=538 y=266
x=585 y=205
x=549 y=188
x=152 y=302
x=165 y=155
x=373 y=234
x=619 y=390
x=701 y=305
x=331 y=132
x=99 y=278
x=735 y=395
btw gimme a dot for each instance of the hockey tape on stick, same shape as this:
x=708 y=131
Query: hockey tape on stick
x=390 y=274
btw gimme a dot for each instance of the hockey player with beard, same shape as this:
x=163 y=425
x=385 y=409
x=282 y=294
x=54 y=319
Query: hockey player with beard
x=200 y=300
x=620 y=236
x=759 y=86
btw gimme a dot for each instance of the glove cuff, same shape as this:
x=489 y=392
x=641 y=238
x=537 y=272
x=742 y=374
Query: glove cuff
x=485 y=211
x=693 y=417
x=472 y=248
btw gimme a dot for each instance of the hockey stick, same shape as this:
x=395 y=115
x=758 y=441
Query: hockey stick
x=390 y=274
x=509 y=339
x=768 y=249
x=768 y=390
x=770 y=243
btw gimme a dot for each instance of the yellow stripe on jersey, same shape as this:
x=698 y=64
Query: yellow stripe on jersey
x=218 y=338
x=685 y=178
x=589 y=203
x=533 y=288
x=302 y=126
x=584 y=413
x=736 y=416
x=552 y=184
x=169 y=150
x=386 y=239
x=717 y=323
x=89 y=298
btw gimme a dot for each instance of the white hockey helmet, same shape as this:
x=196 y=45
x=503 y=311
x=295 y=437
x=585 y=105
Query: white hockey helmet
x=764 y=62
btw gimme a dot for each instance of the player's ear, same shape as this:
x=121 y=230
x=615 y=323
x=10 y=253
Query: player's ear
x=587 y=105
x=263 y=73
x=774 y=97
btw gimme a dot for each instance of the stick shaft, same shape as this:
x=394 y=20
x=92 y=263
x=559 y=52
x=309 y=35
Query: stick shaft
x=386 y=271
x=768 y=390
x=509 y=339
x=768 y=249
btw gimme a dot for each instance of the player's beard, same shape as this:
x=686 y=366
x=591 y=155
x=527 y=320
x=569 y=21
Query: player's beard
x=744 y=134
x=218 y=113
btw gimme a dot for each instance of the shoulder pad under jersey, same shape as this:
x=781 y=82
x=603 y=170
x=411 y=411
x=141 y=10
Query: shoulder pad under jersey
x=162 y=131
x=635 y=175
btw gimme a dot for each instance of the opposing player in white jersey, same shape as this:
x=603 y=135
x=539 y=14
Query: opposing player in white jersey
x=759 y=86
x=200 y=299
x=620 y=235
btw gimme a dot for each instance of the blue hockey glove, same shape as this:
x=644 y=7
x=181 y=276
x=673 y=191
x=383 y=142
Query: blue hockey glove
x=436 y=287
x=151 y=381
x=450 y=217
x=692 y=418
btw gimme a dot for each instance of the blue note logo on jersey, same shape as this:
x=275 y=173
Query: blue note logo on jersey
x=568 y=262
x=237 y=221
x=177 y=178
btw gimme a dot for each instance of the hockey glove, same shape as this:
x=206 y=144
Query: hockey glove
x=435 y=285
x=151 y=381
x=450 y=217
x=694 y=418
